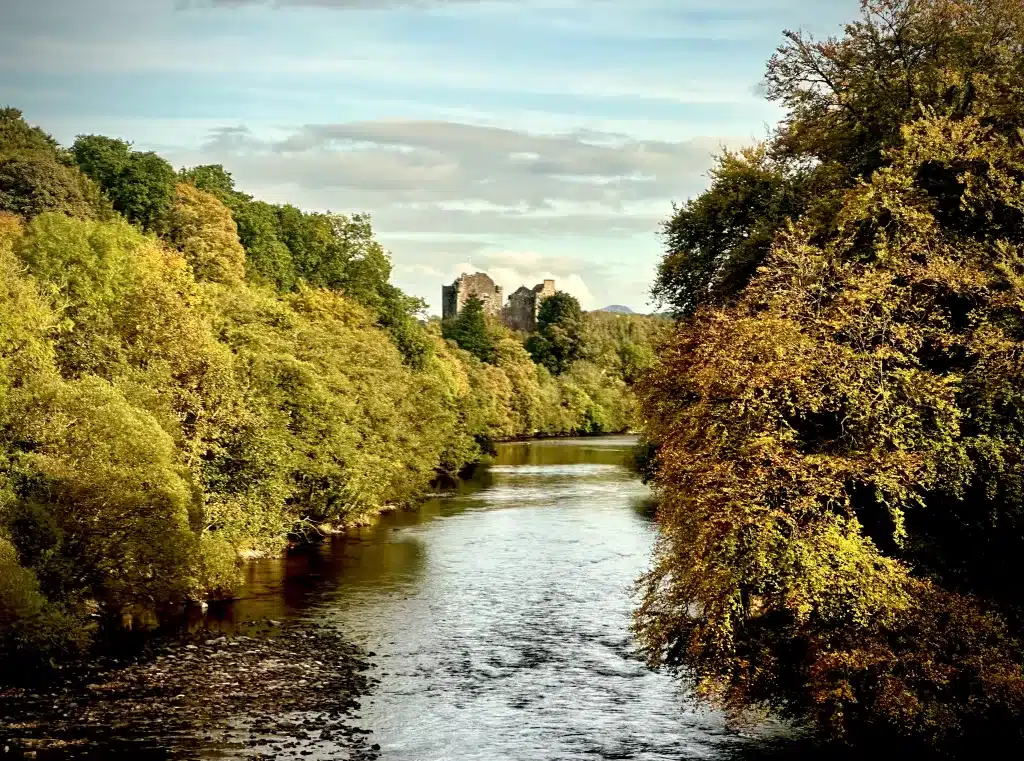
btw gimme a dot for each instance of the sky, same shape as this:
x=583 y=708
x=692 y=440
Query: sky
x=525 y=138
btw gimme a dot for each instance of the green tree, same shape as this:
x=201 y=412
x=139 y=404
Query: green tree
x=161 y=417
x=216 y=180
x=717 y=240
x=469 y=330
x=36 y=176
x=140 y=185
x=848 y=98
x=623 y=345
x=268 y=258
x=559 y=338
x=17 y=135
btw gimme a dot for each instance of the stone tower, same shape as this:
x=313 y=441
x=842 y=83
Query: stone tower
x=524 y=306
x=480 y=285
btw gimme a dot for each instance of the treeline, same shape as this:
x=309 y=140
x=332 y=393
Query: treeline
x=838 y=419
x=189 y=375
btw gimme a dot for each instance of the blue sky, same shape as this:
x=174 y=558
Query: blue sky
x=527 y=138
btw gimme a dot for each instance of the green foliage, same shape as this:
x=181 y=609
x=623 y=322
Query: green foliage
x=623 y=345
x=215 y=180
x=559 y=340
x=717 y=240
x=33 y=632
x=17 y=135
x=470 y=332
x=140 y=185
x=268 y=260
x=35 y=176
x=838 y=445
x=110 y=493
x=32 y=183
x=172 y=405
x=848 y=98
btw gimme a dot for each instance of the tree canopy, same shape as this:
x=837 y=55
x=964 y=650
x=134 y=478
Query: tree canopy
x=558 y=342
x=470 y=332
x=140 y=185
x=36 y=176
x=189 y=376
x=839 y=440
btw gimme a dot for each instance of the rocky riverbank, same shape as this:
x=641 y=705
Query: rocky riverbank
x=273 y=691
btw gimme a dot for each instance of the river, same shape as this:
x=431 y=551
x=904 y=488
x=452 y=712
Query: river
x=495 y=621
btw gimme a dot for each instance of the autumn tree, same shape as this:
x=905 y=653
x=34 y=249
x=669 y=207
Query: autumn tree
x=839 y=443
x=202 y=228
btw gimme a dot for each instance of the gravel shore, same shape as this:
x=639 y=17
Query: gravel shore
x=274 y=691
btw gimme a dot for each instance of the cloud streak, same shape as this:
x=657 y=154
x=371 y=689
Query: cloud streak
x=343 y=5
x=441 y=191
x=551 y=126
x=446 y=166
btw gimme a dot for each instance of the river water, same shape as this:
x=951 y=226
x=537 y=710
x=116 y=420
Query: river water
x=496 y=619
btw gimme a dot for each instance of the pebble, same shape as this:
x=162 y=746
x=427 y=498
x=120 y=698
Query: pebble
x=181 y=696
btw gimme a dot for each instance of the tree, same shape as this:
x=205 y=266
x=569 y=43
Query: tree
x=623 y=345
x=848 y=98
x=559 y=338
x=268 y=259
x=716 y=241
x=140 y=185
x=35 y=176
x=469 y=330
x=216 y=180
x=17 y=135
x=154 y=429
x=33 y=183
x=838 y=445
x=201 y=227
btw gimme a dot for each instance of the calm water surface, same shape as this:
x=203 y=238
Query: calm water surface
x=498 y=617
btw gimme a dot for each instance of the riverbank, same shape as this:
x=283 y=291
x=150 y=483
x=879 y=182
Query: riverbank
x=442 y=484
x=276 y=691
x=490 y=623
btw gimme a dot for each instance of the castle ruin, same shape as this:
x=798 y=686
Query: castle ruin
x=480 y=286
x=519 y=314
x=524 y=305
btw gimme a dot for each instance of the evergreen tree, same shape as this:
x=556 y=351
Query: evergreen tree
x=469 y=330
x=559 y=338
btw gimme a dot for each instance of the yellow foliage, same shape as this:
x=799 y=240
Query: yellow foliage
x=202 y=228
x=816 y=436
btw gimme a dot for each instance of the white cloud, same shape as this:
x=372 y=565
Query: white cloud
x=515 y=201
x=420 y=169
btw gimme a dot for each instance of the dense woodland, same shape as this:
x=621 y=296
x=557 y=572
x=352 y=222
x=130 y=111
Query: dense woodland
x=189 y=376
x=838 y=419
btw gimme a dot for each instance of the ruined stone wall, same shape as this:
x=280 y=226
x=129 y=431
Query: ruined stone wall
x=543 y=291
x=521 y=311
x=454 y=296
x=524 y=306
x=519 y=314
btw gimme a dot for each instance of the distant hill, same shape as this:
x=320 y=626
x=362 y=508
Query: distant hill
x=618 y=309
